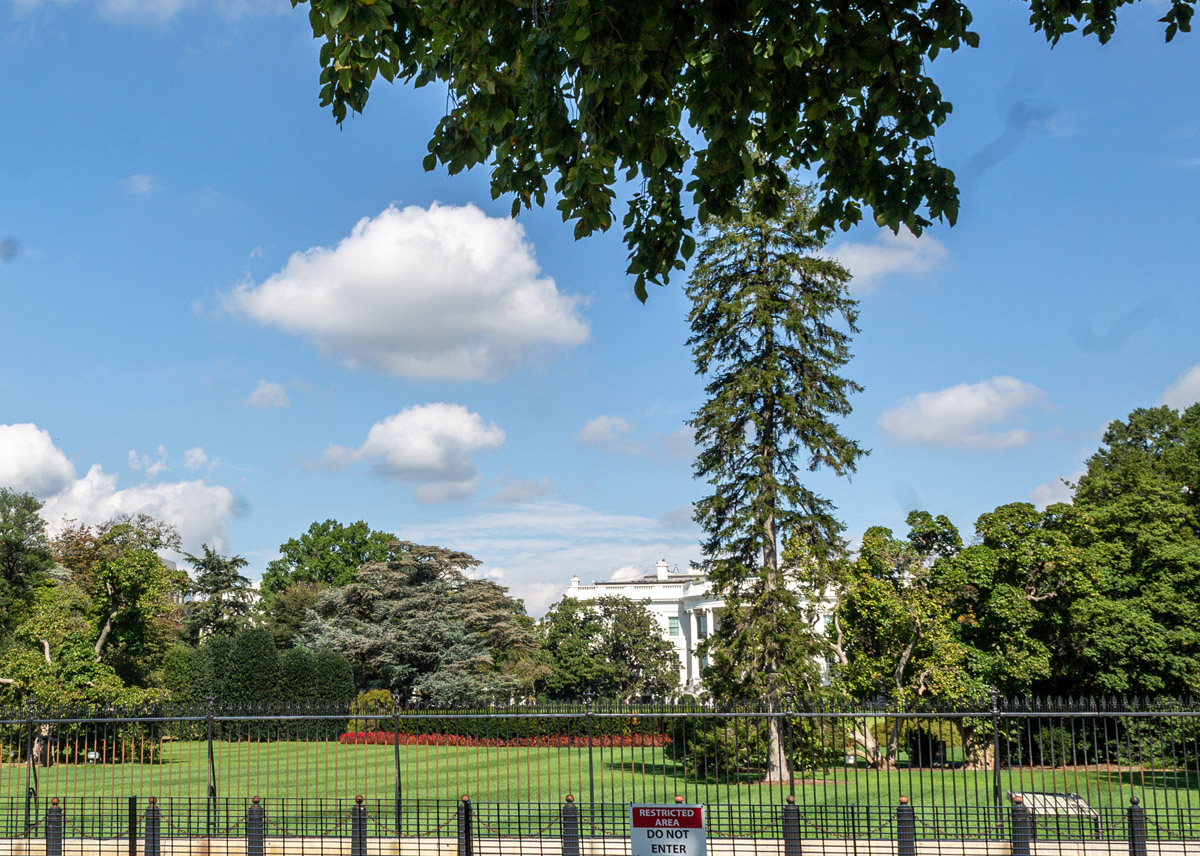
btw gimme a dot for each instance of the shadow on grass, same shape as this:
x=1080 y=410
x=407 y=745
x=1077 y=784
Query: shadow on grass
x=1178 y=780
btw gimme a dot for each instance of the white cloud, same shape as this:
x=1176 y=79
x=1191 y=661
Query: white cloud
x=962 y=415
x=1185 y=391
x=195 y=459
x=30 y=462
x=627 y=574
x=152 y=466
x=198 y=511
x=518 y=491
x=616 y=434
x=430 y=445
x=610 y=434
x=139 y=184
x=445 y=292
x=1059 y=490
x=542 y=545
x=268 y=395
x=889 y=254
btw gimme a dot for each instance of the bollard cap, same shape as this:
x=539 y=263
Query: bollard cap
x=466 y=798
x=1018 y=799
x=153 y=800
x=358 y=799
x=1134 y=801
x=791 y=800
x=255 y=799
x=903 y=800
x=570 y=798
x=53 y=800
x=678 y=798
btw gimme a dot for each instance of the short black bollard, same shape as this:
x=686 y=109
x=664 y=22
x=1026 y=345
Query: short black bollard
x=465 y=837
x=1137 y=828
x=906 y=829
x=1021 y=829
x=133 y=827
x=358 y=828
x=54 y=829
x=570 y=827
x=791 y=828
x=153 y=829
x=256 y=822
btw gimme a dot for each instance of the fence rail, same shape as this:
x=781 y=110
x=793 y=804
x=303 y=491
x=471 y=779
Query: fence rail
x=1024 y=776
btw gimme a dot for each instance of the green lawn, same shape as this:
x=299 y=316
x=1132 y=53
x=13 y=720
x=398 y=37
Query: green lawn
x=314 y=769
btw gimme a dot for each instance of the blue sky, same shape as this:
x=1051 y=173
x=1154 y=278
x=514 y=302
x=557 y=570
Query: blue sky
x=219 y=307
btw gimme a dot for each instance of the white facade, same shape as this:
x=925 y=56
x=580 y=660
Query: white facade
x=686 y=611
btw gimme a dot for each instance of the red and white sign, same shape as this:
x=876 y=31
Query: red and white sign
x=667 y=830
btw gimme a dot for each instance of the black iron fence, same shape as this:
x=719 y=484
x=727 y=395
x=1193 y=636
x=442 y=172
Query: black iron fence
x=359 y=779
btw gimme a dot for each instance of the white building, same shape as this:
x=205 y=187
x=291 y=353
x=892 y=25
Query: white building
x=684 y=607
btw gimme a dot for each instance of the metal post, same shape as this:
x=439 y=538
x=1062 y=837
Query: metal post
x=396 y=755
x=153 y=829
x=588 y=698
x=906 y=829
x=211 y=806
x=465 y=837
x=358 y=828
x=54 y=829
x=1137 y=828
x=132 y=828
x=788 y=698
x=30 y=772
x=570 y=827
x=791 y=828
x=256 y=823
x=996 y=796
x=1021 y=829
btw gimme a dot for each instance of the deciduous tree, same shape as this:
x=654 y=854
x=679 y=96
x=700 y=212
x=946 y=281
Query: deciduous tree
x=612 y=647
x=329 y=554
x=669 y=97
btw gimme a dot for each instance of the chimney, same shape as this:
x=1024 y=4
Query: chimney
x=662 y=570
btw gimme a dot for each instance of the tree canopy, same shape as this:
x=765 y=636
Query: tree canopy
x=671 y=96
x=612 y=647
x=225 y=596
x=329 y=554
x=418 y=625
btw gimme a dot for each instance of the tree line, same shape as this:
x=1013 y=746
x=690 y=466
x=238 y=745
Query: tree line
x=94 y=616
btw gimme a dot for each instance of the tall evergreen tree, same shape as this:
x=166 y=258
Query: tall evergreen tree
x=223 y=607
x=771 y=325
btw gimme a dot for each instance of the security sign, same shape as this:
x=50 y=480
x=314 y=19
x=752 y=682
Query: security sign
x=667 y=830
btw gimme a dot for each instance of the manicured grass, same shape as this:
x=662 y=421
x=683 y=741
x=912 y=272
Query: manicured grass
x=290 y=770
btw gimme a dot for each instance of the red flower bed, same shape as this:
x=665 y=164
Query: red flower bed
x=557 y=741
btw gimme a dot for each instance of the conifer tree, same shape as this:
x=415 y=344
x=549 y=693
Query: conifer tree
x=771 y=325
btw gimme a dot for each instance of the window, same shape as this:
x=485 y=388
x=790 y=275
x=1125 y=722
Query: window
x=702 y=625
x=673 y=626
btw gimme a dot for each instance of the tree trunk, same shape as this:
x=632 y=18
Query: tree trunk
x=779 y=767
